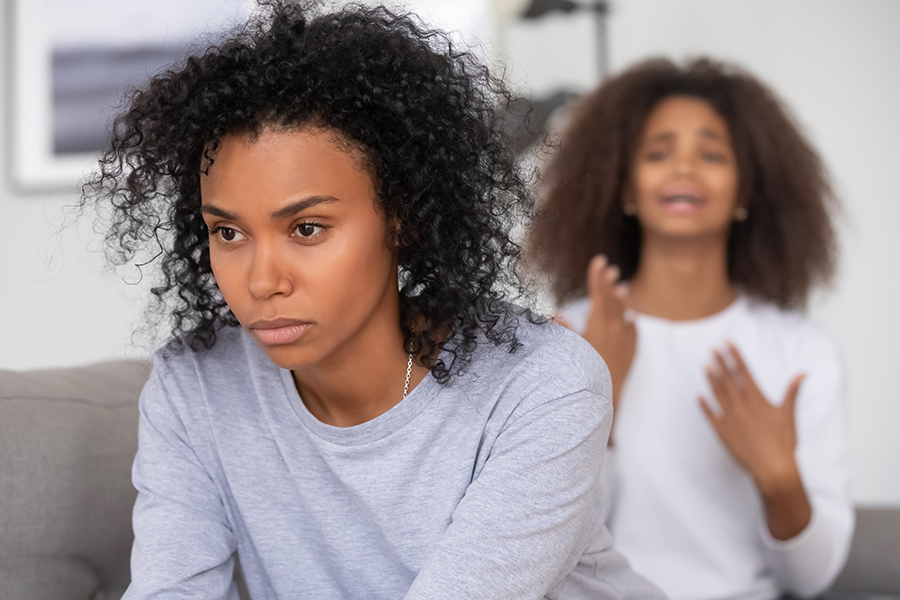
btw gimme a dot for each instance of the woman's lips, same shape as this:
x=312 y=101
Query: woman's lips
x=278 y=331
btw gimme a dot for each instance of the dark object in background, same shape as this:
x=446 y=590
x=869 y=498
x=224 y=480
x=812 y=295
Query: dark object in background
x=87 y=84
x=528 y=119
x=539 y=8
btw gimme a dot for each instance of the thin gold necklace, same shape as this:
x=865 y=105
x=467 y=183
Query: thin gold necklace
x=408 y=373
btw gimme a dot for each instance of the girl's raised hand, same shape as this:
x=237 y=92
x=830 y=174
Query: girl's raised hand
x=762 y=438
x=608 y=330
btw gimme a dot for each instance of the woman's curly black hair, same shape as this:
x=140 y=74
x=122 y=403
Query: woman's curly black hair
x=422 y=112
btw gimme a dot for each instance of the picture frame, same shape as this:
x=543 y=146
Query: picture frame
x=71 y=62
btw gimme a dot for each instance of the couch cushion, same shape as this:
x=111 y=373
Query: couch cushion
x=67 y=441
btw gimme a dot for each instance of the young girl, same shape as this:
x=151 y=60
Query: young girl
x=349 y=405
x=700 y=215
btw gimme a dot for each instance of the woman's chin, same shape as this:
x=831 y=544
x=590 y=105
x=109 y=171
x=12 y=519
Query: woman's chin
x=291 y=356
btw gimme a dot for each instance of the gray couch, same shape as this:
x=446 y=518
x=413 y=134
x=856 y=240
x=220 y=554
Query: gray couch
x=67 y=439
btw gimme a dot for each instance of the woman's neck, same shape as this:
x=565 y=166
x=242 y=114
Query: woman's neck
x=361 y=380
x=682 y=280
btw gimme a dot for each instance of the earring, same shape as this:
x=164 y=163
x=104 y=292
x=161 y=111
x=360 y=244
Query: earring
x=630 y=209
x=740 y=214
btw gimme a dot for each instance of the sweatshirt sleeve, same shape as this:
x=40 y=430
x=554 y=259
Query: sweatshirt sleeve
x=808 y=563
x=183 y=546
x=531 y=512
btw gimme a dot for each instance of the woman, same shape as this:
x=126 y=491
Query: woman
x=701 y=217
x=349 y=403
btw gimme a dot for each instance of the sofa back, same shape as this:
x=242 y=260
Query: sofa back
x=67 y=441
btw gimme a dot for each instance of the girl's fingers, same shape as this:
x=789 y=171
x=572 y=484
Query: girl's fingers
x=790 y=397
x=612 y=274
x=728 y=377
x=602 y=287
x=596 y=280
x=601 y=274
x=746 y=379
x=597 y=265
x=719 y=390
x=711 y=416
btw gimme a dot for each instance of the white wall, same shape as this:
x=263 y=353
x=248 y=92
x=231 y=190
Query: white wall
x=834 y=62
x=57 y=307
x=837 y=65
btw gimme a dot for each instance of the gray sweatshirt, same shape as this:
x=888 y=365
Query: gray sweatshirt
x=486 y=487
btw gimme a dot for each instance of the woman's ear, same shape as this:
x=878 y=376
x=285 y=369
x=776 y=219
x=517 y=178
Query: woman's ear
x=394 y=231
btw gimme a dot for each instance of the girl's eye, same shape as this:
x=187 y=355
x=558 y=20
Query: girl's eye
x=307 y=229
x=656 y=155
x=714 y=157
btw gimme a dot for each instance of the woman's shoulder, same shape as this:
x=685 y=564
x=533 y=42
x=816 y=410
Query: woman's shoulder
x=550 y=376
x=226 y=352
x=182 y=372
x=549 y=362
x=576 y=312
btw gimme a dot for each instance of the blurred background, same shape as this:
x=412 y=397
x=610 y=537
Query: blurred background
x=834 y=62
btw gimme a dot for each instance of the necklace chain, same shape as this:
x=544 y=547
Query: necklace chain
x=408 y=373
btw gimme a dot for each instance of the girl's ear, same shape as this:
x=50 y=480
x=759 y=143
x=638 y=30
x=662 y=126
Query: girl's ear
x=629 y=206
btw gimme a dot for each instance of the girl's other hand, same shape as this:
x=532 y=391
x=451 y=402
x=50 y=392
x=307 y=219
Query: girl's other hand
x=608 y=330
x=762 y=438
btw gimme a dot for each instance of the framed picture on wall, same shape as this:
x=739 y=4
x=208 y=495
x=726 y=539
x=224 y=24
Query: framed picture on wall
x=73 y=60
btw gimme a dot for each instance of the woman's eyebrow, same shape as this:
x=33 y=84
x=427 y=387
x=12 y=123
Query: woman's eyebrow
x=210 y=209
x=292 y=209
x=282 y=213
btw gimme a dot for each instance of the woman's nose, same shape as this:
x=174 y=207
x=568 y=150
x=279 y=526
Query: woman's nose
x=269 y=275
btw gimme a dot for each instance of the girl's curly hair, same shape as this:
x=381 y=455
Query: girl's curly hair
x=422 y=112
x=782 y=250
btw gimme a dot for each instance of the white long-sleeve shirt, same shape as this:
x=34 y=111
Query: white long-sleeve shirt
x=685 y=513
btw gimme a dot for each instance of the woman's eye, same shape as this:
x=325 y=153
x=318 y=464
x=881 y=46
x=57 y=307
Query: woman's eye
x=656 y=155
x=307 y=229
x=227 y=234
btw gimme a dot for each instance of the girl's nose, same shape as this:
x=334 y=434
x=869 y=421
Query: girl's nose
x=684 y=163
